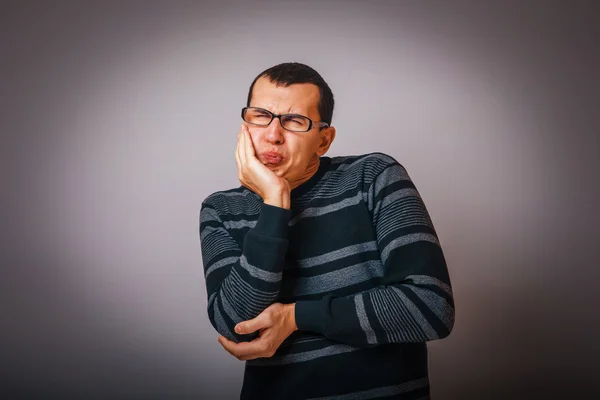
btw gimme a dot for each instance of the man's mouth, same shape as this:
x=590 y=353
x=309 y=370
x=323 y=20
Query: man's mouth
x=272 y=159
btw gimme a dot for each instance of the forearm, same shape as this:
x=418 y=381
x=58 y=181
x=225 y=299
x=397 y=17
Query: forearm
x=241 y=285
x=367 y=318
x=417 y=308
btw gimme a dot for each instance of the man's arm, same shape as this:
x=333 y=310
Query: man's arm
x=241 y=283
x=414 y=302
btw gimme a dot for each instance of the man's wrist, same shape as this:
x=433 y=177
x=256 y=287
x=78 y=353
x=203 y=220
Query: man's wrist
x=292 y=316
x=280 y=199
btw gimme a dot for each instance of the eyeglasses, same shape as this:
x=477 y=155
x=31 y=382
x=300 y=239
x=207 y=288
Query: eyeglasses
x=291 y=122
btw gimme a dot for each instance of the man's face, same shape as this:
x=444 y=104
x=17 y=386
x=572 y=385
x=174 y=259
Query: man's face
x=298 y=149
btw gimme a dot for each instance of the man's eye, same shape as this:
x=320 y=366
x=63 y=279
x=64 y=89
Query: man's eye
x=294 y=120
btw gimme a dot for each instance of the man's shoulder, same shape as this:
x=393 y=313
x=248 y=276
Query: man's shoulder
x=371 y=163
x=224 y=199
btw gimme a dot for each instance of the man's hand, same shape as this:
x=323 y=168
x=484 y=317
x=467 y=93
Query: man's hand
x=255 y=176
x=275 y=323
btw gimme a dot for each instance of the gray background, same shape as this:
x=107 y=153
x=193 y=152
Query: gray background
x=119 y=118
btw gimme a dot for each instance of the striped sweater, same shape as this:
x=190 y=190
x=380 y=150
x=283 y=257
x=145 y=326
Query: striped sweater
x=358 y=254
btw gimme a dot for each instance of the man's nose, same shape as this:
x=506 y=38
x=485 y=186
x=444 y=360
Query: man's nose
x=275 y=131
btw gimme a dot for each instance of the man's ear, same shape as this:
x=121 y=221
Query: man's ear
x=327 y=137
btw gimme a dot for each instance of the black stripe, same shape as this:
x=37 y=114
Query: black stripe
x=334 y=265
x=338 y=374
x=391 y=188
x=285 y=296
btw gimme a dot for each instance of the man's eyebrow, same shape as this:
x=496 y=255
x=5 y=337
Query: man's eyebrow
x=260 y=109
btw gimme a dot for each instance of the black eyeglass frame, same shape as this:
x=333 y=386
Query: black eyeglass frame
x=278 y=116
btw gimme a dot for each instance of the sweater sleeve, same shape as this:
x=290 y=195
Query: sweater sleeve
x=414 y=301
x=241 y=283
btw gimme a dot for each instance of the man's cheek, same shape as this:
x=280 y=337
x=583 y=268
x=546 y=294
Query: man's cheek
x=254 y=136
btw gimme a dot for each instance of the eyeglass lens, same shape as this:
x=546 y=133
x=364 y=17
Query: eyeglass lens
x=290 y=122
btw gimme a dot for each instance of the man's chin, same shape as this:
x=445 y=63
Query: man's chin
x=277 y=168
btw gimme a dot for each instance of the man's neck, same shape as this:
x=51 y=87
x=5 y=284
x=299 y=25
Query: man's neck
x=311 y=169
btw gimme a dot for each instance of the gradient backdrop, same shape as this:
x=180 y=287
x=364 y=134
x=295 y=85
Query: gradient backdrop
x=119 y=118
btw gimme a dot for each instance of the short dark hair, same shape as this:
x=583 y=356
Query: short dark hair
x=286 y=74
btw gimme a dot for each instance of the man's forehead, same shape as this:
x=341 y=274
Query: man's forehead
x=297 y=96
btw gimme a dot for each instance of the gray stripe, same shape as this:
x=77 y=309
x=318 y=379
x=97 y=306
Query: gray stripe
x=335 y=184
x=249 y=305
x=208 y=214
x=303 y=356
x=211 y=298
x=381 y=391
x=239 y=224
x=364 y=319
x=221 y=263
x=204 y=233
x=343 y=178
x=402 y=213
x=416 y=314
x=395 y=318
x=438 y=305
x=242 y=303
x=315 y=212
x=397 y=195
x=217 y=247
x=380 y=304
x=370 y=196
x=392 y=173
x=337 y=279
x=337 y=254
x=249 y=291
x=243 y=193
x=213 y=245
x=392 y=200
x=259 y=273
x=235 y=203
x=375 y=155
x=243 y=209
x=397 y=222
x=430 y=280
x=229 y=310
x=252 y=301
x=404 y=240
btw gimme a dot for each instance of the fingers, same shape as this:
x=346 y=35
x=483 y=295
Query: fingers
x=248 y=155
x=237 y=158
x=241 y=350
x=257 y=348
x=242 y=147
x=241 y=160
x=232 y=347
x=249 y=147
x=254 y=324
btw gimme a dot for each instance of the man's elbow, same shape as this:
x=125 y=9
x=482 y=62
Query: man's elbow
x=448 y=322
x=227 y=329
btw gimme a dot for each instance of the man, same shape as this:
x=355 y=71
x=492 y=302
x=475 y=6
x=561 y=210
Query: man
x=325 y=274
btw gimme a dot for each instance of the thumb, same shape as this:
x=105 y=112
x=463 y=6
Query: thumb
x=251 y=325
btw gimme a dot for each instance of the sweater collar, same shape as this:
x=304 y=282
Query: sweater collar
x=298 y=191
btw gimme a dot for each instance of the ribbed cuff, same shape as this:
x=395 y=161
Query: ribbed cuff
x=273 y=221
x=310 y=315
